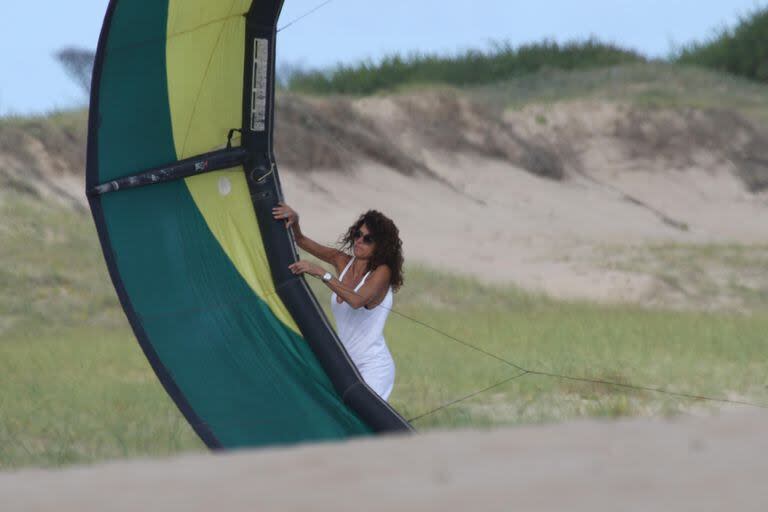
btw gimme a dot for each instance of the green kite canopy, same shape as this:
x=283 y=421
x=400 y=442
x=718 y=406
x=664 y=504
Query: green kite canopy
x=181 y=182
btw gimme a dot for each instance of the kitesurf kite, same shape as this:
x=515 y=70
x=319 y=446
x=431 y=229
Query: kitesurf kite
x=181 y=181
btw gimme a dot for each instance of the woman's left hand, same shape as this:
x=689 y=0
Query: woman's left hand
x=305 y=267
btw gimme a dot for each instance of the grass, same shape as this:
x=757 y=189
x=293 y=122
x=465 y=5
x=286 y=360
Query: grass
x=83 y=394
x=62 y=134
x=77 y=389
x=57 y=130
x=706 y=276
x=720 y=354
x=654 y=85
x=52 y=272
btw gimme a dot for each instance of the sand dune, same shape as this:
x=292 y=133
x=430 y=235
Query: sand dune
x=554 y=198
x=551 y=198
x=693 y=464
x=497 y=222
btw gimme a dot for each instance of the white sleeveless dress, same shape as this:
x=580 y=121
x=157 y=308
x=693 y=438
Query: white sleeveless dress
x=362 y=333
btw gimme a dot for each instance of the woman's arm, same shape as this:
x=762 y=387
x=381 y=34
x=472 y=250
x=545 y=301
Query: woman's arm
x=374 y=286
x=327 y=254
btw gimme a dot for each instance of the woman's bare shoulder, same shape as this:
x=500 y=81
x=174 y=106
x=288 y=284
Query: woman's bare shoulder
x=341 y=261
x=382 y=270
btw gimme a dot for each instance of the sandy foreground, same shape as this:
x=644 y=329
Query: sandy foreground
x=689 y=464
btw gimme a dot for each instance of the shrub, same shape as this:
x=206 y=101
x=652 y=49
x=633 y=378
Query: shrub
x=500 y=62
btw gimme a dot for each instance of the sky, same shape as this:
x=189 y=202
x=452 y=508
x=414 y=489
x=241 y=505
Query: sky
x=31 y=81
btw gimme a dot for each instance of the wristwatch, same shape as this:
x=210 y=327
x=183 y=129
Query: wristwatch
x=327 y=277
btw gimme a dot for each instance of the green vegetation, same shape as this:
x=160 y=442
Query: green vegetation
x=71 y=119
x=76 y=387
x=742 y=50
x=647 y=85
x=75 y=394
x=653 y=84
x=52 y=274
x=710 y=276
x=715 y=354
x=470 y=68
x=61 y=133
x=66 y=126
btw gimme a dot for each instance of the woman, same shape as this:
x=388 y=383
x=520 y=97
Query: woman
x=362 y=294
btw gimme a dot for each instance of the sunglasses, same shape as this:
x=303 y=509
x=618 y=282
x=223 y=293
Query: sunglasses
x=367 y=239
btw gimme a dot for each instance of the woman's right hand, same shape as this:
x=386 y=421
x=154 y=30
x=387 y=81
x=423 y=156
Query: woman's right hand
x=284 y=212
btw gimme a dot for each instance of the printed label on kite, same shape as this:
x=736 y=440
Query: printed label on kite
x=259 y=93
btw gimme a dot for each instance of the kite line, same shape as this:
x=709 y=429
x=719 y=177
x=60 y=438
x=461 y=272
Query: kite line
x=311 y=11
x=522 y=372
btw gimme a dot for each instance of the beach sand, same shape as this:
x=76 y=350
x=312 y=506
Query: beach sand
x=696 y=464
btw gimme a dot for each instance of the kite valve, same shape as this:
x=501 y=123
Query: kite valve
x=266 y=173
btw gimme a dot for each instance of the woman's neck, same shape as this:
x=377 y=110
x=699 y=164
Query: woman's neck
x=360 y=266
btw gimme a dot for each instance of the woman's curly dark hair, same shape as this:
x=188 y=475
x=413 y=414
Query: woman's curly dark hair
x=389 y=247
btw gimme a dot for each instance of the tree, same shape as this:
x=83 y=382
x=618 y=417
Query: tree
x=78 y=63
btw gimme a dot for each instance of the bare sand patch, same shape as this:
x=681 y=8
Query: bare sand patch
x=691 y=464
x=531 y=197
x=497 y=222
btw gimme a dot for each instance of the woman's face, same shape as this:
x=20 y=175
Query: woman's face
x=364 y=243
